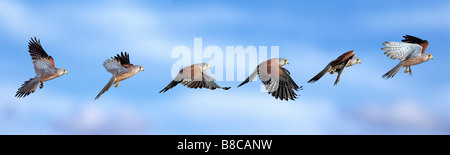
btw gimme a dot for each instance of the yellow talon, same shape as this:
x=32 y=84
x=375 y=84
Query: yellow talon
x=117 y=85
x=332 y=72
x=410 y=71
x=406 y=70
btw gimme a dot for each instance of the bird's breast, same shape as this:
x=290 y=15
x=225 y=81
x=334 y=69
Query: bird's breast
x=124 y=76
x=414 y=61
x=48 y=77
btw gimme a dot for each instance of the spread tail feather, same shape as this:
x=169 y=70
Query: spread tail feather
x=393 y=71
x=106 y=88
x=28 y=87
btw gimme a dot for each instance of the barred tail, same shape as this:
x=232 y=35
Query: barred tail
x=321 y=73
x=106 y=88
x=28 y=87
x=393 y=71
x=250 y=78
x=170 y=86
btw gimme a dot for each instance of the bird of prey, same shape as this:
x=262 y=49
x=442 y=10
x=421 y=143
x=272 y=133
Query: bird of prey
x=194 y=76
x=276 y=79
x=121 y=69
x=44 y=67
x=338 y=65
x=411 y=51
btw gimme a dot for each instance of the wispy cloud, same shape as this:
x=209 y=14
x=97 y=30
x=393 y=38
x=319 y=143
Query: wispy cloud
x=80 y=35
x=53 y=112
x=21 y=22
x=420 y=17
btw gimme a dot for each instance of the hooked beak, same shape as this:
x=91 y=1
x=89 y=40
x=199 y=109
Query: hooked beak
x=359 y=61
x=65 y=72
x=287 y=61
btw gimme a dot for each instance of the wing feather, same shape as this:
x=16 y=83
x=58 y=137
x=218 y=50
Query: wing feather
x=209 y=83
x=114 y=67
x=281 y=86
x=123 y=58
x=342 y=58
x=402 y=51
x=412 y=39
x=43 y=67
x=37 y=52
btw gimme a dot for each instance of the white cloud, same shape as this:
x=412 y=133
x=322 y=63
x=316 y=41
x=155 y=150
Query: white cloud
x=405 y=116
x=206 y=15
x=142 y=31
x=56 y=113
x=253 y=113
x=12 y=15
x=133 y=27
x=20 y=22
x=92 y=118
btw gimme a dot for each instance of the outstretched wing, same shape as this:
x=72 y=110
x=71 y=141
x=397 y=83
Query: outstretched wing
x=124 y=60
x=200 y=80
x=412 y=39
x=114 y=67
x=42 y=62
x=43 y=67
x=281 y=86
x=193 y=77
x=415 y=40
x=37 y=52
x=402 y=51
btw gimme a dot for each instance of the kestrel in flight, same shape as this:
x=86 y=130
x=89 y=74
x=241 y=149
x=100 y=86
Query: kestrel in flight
x=411 y=51
x=338 y=65
x=194 y=76
x=276 y=79
x=44 y=66
x=121 y=69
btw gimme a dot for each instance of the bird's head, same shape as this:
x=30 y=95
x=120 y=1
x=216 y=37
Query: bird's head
x=61 y=71
x=283 y=61
x=429 y=56
x=139 y=67
x=426 y=57
x=205 y=66
x=358 y=61
x=353 y=61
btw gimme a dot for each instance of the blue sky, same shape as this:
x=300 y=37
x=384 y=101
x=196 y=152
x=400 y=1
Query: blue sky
x=80 y=35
